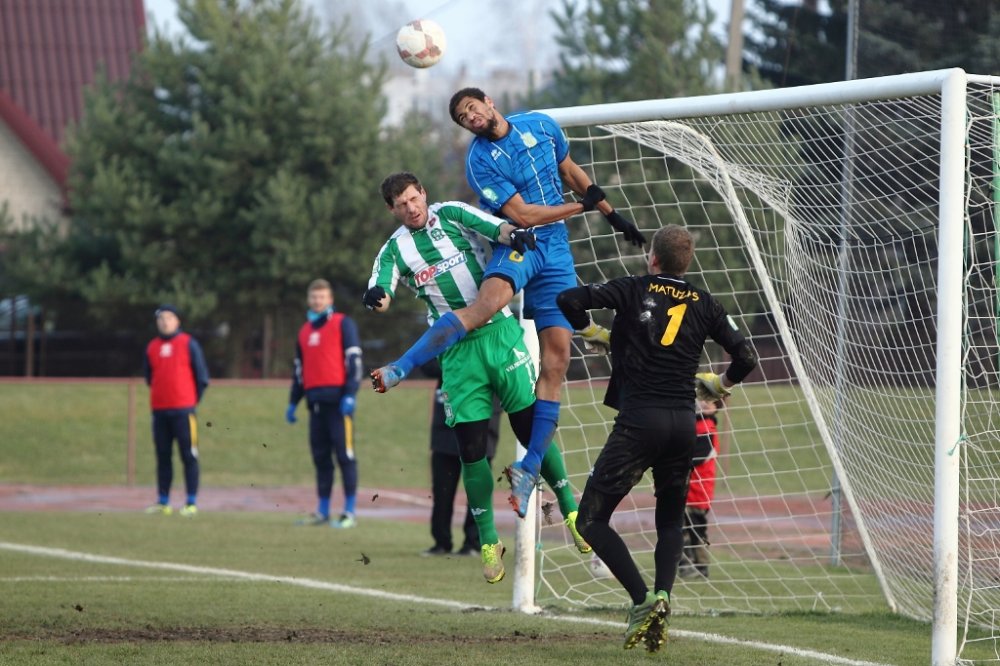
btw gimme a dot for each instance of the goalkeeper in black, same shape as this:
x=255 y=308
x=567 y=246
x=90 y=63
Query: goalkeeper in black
x=660 y=327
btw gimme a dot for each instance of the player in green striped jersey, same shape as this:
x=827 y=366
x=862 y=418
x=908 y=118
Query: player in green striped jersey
x=439 y=253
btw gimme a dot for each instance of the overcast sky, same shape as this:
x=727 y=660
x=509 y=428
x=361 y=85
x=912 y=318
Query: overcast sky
x=482 y=34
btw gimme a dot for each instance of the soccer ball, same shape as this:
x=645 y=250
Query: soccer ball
x=598 y=569
x=421 y=43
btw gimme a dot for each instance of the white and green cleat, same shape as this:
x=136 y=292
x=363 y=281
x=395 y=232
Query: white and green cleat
x=189 y=511
x=159 y=510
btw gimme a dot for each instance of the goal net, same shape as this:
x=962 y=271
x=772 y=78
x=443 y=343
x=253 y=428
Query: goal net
x=818 y=216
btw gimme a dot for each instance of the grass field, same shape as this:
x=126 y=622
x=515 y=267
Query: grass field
x=57 y=610
x=244 y=439
x=248 y=587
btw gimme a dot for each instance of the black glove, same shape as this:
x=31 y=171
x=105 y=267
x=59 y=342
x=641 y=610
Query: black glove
x=592 y=197
x=522 y=240
x=628 y=229
x=373 y=297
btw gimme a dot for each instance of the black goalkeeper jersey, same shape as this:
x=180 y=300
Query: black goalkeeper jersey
x=660 y=327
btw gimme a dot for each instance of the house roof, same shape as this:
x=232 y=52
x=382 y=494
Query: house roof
x=50 y=50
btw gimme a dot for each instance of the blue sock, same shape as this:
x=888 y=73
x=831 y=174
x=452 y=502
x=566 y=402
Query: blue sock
x=192 y=499
x=445 y=332
x=323 y=508
x=164 y=499
x=543 y=426
x=349 y=502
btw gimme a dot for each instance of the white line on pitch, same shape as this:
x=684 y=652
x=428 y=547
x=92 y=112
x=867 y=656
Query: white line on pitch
x=728 y=640
x=379 y=594
x=108 y=579
x=231 y=573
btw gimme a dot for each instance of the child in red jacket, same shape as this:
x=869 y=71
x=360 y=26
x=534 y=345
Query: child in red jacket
x=694 y=560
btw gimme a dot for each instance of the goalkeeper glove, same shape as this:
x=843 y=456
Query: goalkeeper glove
x=373 y=297
x=592 y=197
x=708 y=386
x=628 y=229
x=596 y=339
x=522 y=240
x=290 y=413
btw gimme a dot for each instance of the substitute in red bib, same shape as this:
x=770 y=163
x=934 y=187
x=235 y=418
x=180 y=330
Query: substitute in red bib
x=175 y=370
x=327 y=373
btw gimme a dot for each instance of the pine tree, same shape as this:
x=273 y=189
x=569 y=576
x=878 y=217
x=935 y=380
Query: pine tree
x=621 y=50
x=229 y=170
x=794 y=44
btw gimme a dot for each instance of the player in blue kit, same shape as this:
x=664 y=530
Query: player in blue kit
x=518 y=166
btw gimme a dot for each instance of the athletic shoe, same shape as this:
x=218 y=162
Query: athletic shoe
x=312 y=520
x=656 y=635
x=467 y=550
x=492 y=554
x=436 y=550
x=578 y=541
x=345 y=521
x=159 y=510
x=386 y=377
x=640 y=617
x=189 y=511
x=522 y=484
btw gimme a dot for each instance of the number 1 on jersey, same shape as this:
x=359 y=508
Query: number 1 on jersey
x=676 y=314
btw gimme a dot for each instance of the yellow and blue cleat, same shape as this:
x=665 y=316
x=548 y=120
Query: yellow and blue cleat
x=346 y=521
x=492 y=555
x=578 y=540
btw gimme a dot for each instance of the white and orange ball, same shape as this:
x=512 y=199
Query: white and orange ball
x=421 y=43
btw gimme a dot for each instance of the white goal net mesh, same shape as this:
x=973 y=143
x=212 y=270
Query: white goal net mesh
x=817 y=228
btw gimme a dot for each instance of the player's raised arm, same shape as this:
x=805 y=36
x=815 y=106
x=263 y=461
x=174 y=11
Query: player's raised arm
x=575 y=305
x=578 y=181
x=490 y=226
x=710 y=386
x=383 y=281
x=532 y=215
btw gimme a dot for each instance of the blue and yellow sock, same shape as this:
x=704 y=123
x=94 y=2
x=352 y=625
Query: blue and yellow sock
x=323 y=507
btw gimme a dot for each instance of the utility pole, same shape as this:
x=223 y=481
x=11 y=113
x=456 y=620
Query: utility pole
x=734 y=49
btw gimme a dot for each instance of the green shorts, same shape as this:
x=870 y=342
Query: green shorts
x=491 y=359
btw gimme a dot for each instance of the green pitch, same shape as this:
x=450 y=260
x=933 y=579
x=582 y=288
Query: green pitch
x=70 y=610
x=57 y=610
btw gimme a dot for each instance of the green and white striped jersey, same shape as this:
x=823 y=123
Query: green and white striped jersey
x=443 y=262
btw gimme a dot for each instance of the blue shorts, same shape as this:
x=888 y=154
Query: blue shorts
x=543 y=273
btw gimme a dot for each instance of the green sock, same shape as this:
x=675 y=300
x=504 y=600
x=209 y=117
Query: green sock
x=554 y=473
x=477 y=477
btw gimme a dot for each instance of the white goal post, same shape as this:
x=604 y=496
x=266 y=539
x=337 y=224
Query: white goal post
x=850 y=228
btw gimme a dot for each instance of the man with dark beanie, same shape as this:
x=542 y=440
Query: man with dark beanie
x=175 y=371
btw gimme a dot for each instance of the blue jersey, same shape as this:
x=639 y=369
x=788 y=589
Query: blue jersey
x=525 y=161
